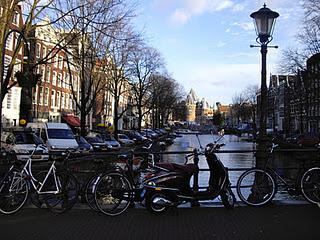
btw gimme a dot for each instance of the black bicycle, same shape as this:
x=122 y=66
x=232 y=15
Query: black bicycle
x=258 y=186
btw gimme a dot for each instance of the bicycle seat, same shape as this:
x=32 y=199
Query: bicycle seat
x=188 y=168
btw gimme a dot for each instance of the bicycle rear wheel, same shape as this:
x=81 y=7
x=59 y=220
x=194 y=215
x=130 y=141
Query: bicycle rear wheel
x=67 y=194
x=14 y=192
x=256 y=187
x=310 y=185
x=113 y=194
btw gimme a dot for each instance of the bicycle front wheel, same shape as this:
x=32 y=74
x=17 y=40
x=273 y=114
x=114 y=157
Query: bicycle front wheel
x=310 y=185
x=89 y=192
x=113 y=194
x=13 y=192
x=256 y=187
x=67 y=194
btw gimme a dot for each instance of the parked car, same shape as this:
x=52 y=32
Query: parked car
x=84 y=146
x=112 y=143
x=56 y=136
x=149 y=133
x=125 y=140
x=25 y=142
x=135 y=136
x=97 y=143
x=305 y=140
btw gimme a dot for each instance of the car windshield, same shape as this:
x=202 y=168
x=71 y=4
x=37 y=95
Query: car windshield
x=24 y=138
x=122 y=136
x=109 y=138
x=60 y=134
x=95 y=140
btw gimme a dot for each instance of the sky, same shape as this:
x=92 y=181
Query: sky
x=205 y=43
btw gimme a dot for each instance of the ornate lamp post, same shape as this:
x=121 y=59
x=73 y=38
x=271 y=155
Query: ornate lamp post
x=264 y=20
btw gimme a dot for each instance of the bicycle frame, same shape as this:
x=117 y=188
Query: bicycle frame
x=27 y=173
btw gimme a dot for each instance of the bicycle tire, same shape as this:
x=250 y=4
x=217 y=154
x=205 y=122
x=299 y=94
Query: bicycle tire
x=89 y=192
x=113 y=193
x=256 y=187
x=14 y=190
x=310 y=185
x=67 y=195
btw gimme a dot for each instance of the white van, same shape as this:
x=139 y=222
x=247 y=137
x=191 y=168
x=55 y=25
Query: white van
x=56 y=136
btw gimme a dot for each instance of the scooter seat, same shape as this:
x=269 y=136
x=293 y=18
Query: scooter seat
x=188 y=168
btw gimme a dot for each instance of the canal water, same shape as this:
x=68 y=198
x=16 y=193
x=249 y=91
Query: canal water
x=230 y=160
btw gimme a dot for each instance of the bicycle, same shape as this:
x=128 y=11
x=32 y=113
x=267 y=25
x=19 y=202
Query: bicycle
x=258 y=186
x=310 y=185
x=58 y=190
x=119 y=188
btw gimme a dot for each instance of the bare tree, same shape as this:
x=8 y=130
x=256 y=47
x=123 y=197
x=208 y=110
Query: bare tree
x=165 y=93
x=244 y=105
x=145 y=61
x=98 y=24
x=119 y=72
x=294 y=59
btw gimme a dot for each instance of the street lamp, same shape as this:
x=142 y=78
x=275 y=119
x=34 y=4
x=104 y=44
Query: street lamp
x=264 y=20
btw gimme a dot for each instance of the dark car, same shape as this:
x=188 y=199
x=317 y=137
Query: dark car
x=97 y=143
x=135 y=136
x=305 y=140
x=84 y=146
x=149 y=133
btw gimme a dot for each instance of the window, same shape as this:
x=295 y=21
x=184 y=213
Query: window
x=62 y=100
x=44 y=52
x=58 y=100
x=41 y=71
x=63 y=82
x=9 y=99
x=9 y=42
x=54 y=78
x=56 y=61
x=46 y=96
x=15 y=19
x=60 y=62
x=7 y=61
x=38 y=50
x=48 y=74
x=67 y=81
x=59 y=79
x=53 y=95
x=70 y=102
x=67 y=101
x=40 y=95
x=34 y=95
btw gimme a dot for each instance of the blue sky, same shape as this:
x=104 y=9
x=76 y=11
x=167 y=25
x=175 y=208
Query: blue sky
x=205 y=43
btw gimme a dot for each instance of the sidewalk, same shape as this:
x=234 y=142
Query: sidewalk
x=270 y=222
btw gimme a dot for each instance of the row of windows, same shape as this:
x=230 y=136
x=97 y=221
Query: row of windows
x=59 y=80
x=57 y=99
x=44 y=52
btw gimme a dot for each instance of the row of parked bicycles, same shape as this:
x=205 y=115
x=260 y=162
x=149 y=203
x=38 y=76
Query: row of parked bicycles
x=157 y=186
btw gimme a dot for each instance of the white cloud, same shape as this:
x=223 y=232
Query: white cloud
x=238 y=7
x=221 y=44
x=192 y=8
x=247 y=26
x=180 y=16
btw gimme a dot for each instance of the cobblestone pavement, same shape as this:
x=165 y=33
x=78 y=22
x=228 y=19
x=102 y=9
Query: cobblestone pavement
x=270 y=222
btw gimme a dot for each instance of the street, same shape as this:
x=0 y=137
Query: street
x=270 y=222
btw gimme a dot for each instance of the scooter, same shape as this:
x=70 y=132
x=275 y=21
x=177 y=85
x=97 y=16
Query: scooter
x=172 y=187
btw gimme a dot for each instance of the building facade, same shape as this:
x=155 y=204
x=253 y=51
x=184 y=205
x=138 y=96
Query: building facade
x=11 y=102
